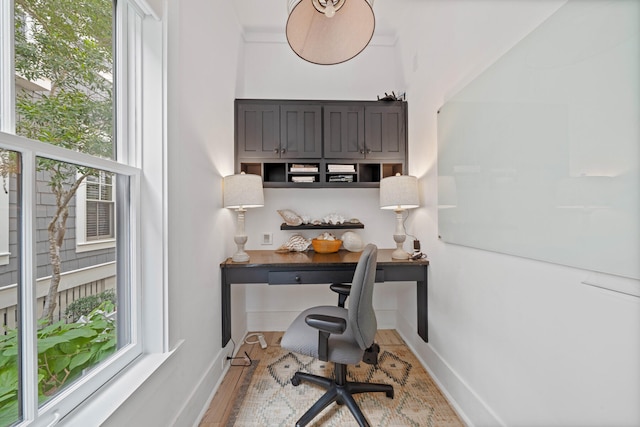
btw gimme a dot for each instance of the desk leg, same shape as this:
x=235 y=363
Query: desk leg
x=226 y=308
x=423 y=309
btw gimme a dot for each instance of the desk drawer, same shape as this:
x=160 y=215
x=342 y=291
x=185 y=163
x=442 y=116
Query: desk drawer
x=309 y=277
x=315 y=277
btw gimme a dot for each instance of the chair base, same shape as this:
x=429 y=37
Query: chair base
x=340 y=391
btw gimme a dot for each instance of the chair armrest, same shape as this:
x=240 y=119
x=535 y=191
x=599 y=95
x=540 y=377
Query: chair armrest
x=326 y=325
x=330 y=324
x=343 y=290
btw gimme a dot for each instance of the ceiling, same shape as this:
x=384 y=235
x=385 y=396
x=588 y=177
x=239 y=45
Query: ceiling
x=257 y=19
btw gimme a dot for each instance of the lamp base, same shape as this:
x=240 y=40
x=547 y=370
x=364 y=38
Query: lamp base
x=240 y=256
x=240 y=239
x=400 y=253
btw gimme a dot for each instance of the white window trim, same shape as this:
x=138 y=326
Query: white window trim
x=82 y=244
x=7 y=119
x=4 y=223
x=147 y=127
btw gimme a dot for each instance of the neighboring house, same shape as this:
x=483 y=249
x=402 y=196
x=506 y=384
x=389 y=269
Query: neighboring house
x=88 y=252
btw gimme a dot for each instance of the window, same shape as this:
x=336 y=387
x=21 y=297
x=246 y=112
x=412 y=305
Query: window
x=99 y=214
x=69 y=153
x=95 y=207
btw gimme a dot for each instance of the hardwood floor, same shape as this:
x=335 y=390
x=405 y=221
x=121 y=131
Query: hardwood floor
x=222 y=403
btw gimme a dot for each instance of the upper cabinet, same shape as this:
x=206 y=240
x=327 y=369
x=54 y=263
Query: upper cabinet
x=270 y=129
x=257 y=129
x=300 y=131
x=344 y=131
x=385 y=131
x=295 y=143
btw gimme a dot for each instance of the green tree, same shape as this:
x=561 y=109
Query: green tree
x=67 y=43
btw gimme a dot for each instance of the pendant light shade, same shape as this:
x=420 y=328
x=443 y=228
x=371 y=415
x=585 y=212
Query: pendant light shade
x=329 y=32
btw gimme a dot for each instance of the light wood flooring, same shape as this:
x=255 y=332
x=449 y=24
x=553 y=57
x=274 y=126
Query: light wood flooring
x=227 y=393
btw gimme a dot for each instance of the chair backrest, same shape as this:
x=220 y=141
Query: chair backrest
x=362 y=318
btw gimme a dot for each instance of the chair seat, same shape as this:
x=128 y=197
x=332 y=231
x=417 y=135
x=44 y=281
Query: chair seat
x=303 y=339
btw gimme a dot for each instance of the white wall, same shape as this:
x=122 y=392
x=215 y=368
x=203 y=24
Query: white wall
x=514 y=341
x=204 y=51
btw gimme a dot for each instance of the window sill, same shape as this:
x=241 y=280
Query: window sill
x=97 y=409
x=94 y=246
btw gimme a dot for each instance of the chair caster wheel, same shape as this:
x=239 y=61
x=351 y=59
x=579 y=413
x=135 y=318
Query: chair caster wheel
x=295 y=381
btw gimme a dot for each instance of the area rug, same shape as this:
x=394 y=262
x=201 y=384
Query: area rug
x=271 y=400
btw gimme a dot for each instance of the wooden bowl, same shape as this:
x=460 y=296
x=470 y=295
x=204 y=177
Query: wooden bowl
x=326 y=246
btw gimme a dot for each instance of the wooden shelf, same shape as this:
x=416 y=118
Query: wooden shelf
x=323 y=226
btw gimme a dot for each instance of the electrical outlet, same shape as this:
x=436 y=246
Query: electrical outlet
x=267 y=238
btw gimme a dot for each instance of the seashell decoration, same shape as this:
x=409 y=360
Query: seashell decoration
x=296 y=243
x=334 y=219
x=326 y=236
x=290 y=217
x=352 y=241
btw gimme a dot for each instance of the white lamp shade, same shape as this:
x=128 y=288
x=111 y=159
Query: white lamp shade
x=399 y=192
x=243 y=191
x=321 y=40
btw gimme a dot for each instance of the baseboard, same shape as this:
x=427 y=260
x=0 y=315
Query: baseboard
x=214 y=373
x=465 y=401
x=280 y=320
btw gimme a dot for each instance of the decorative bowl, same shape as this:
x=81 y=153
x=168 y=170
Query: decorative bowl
x=326 y=246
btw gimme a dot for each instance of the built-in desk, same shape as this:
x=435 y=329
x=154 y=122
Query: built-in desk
x=300 y=268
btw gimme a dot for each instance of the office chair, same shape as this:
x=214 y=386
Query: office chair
x=340 y=335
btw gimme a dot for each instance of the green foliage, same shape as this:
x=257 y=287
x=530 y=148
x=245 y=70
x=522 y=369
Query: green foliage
x=65 y=48
x=83 y=306
x=64 y=352
x=69 y=44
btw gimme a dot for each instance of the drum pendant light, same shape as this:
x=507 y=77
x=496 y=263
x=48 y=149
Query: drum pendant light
x=329 y=32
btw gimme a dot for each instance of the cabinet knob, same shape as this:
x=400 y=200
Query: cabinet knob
x=362 y=151
x=283 y=150
x=297 y=278
x=276 y=150
x=368 y=150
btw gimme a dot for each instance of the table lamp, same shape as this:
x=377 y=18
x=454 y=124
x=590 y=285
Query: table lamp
x=399 y=192
x=242 y=191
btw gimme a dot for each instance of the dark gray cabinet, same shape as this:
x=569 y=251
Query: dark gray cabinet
x=270 y=129
x=344 y=131
x=300 y=131
x=385 y=131
x=300 y=143
x=258 y=130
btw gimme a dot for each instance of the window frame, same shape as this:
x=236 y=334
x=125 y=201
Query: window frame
x=82 y=243
x=139 y=40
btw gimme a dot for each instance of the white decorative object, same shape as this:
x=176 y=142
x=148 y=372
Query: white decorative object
x=333 y=219
x=290 y=217
x=297 y=243
x=352 y=241
x=326 y=236
x=240 y=192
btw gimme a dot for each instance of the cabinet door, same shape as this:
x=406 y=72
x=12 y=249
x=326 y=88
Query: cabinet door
x=258 y=130
x=300 y=131
x=385 y=132
x=344 y=132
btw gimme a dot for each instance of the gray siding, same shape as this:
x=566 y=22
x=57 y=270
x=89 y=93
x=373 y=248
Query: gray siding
x=45 y=208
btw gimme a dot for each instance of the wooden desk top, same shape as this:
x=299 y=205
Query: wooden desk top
x=260 y=258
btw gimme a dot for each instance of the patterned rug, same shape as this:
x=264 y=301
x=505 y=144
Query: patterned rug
x=271 y=400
